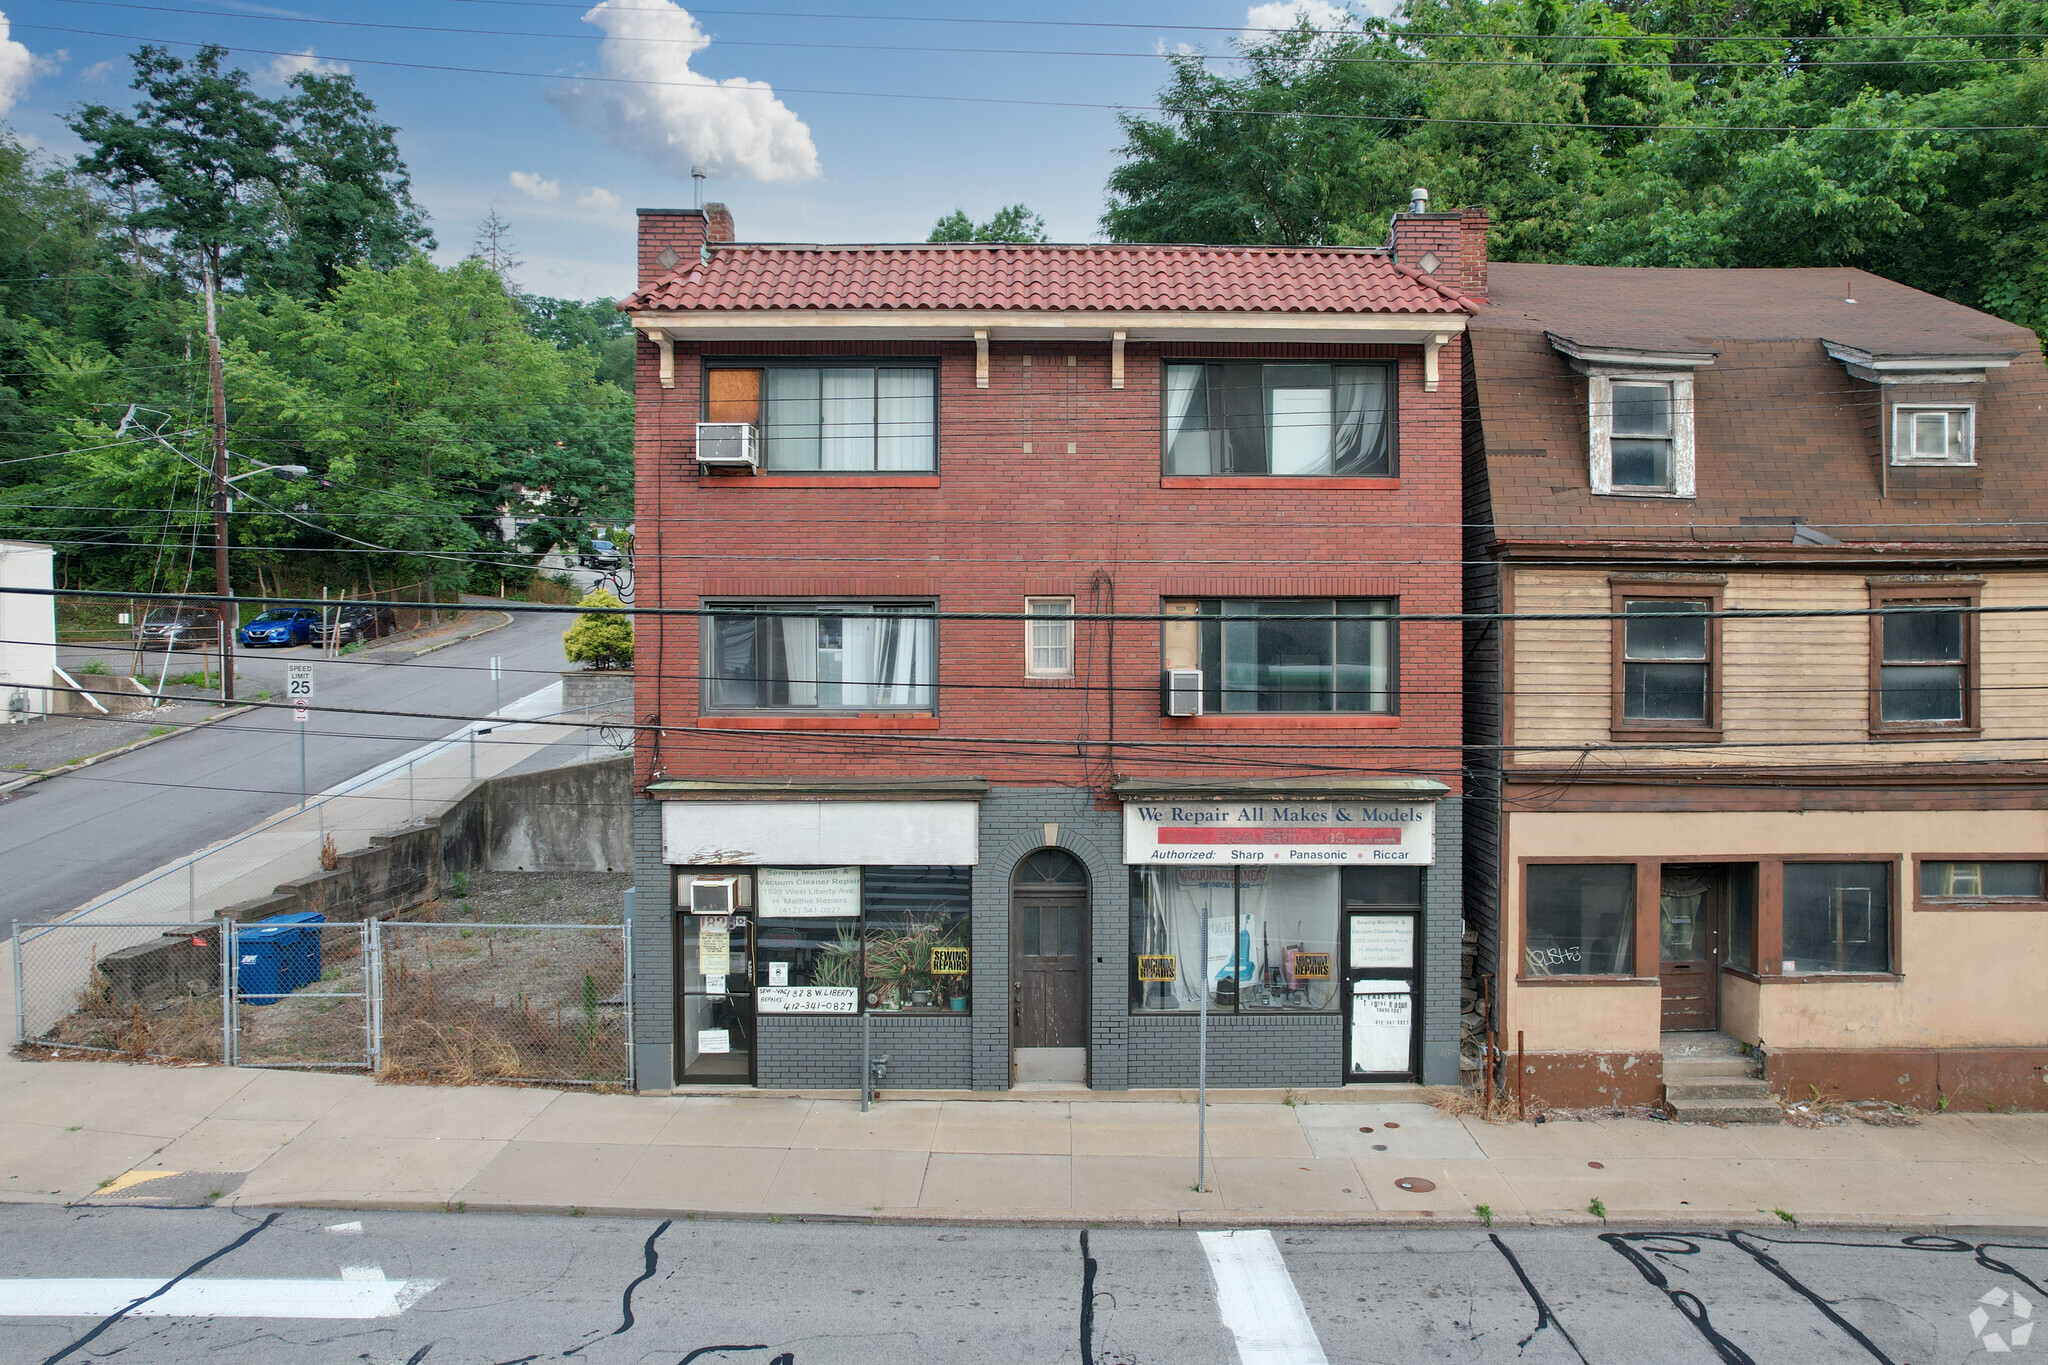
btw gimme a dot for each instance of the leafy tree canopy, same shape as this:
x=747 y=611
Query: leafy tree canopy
x=1013 y=224
x=1876 y=134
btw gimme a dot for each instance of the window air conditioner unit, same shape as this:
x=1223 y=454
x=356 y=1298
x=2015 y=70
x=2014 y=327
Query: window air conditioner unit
x=715 y=896
x=1180 y=692
x=727 y=443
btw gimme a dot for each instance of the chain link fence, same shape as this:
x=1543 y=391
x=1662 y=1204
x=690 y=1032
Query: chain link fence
x=454 y=1003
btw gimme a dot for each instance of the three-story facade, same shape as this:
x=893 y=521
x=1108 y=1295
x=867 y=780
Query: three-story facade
x=1028 y=659
x=1758 y=741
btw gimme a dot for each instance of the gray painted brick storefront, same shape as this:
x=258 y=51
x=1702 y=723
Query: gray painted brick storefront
x=1125 y=1050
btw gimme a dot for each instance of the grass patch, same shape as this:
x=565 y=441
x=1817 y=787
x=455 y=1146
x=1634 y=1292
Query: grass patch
x=156 y=731
x=95 y=668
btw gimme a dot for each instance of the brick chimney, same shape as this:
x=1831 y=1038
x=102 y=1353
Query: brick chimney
x=681 y=232
x=1450 y=248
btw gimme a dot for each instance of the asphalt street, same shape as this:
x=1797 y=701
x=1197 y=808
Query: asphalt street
x=184 y=1285
x=66 y=840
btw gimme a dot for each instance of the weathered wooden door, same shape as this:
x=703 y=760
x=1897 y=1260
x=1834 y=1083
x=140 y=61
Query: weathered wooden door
x=1049 y=952
x=1689 y=933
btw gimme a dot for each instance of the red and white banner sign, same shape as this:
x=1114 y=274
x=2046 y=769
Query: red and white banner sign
x=1300 y=833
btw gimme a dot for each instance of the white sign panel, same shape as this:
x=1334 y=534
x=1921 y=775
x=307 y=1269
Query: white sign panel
x=1383 y=941
x=1382 y=1020
x=714 y=1040
x=806 y=1000
x=298 y=682
x=821 y=833
x=1296 y=834
x=808 y=892
x=778 y=973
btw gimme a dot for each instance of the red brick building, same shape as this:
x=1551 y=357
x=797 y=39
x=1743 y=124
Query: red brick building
x=933 y=542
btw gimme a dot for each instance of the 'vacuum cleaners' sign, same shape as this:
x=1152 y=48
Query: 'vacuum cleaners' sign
x=1297 y=834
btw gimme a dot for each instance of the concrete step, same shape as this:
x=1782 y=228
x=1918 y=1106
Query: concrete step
x=1730 y=1089
x=1725 y=1111
x=1704 y=1068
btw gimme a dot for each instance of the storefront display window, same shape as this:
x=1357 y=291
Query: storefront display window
x=1271 y=946
x=1580 y=919
x=1837 y=918
x=916 y=939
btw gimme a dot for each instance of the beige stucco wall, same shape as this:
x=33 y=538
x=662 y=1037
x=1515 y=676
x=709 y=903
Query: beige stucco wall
x=1782 y=679
x=1967 y=978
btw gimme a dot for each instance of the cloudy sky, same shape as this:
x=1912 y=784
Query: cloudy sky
x=825 y=120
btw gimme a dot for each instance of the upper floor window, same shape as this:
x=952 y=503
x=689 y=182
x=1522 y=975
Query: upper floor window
x=1287 y=654
x=833 y=418
x=1665 y=676
x=1929 y=435
x=852 y=656
x=1049 y=637
x=1642 y=434
x=1925 y=659
x=1280 y=418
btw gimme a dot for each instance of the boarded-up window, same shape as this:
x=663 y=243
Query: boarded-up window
x=734 y=396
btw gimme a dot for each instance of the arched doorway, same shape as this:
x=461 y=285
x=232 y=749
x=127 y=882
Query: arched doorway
x=1049 y=968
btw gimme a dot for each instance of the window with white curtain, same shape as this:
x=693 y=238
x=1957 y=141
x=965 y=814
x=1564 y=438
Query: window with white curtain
x=834 y=419
x=1049 y=637
x=1267 y=928
x=804 y=656
x=1284 y=419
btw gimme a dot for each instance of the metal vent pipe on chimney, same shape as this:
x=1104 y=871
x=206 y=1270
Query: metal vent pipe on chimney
x=697 y=174
x=1418 y=200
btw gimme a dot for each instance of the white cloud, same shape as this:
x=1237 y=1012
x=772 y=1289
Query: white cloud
x=18 y=67
x=601 y=199
x=99 y=71
x=283 y=68
x=530 y=184
x=1259 y=20
x=678 y=118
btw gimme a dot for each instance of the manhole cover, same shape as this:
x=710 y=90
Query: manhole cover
x=1597 y=1165
x=1414 y=1184
x=1365 y=1130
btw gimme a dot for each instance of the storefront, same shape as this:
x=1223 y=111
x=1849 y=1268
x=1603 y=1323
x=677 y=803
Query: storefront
x=987 y=937
x=1308 y=916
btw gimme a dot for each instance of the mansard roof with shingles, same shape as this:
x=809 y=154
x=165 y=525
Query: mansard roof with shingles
x=1784 y=432
x=1004 y=277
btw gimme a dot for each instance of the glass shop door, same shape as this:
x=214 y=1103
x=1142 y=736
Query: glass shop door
x=1382 y=989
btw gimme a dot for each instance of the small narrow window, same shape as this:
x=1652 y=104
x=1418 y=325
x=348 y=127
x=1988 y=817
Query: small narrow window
x=1923 y=672
x=1665 y=668
x=1642 y=436
x=1980 y=881
x=1049 y=637
x=1932 y=436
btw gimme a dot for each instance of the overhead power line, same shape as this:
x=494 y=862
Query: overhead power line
x=1395 y=58
x=1012 y=102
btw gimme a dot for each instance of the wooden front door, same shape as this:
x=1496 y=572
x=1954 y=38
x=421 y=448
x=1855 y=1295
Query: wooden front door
x=1689 y=933
x=1049 y=952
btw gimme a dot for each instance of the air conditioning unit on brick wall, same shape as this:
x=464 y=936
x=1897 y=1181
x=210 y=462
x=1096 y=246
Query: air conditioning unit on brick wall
x=1180 y=692
x=727 y=443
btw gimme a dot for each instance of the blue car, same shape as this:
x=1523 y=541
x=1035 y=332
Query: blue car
x=280 y=626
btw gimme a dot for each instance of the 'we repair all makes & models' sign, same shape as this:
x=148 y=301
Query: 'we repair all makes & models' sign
x=1301 y=834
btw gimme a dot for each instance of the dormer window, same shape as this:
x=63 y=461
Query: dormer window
x=1639 y=417
x=1933 y=436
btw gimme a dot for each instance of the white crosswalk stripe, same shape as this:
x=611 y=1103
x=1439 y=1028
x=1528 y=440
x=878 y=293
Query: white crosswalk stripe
x=1258 y=1300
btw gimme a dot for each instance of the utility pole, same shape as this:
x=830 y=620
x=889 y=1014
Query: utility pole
x=225 y=590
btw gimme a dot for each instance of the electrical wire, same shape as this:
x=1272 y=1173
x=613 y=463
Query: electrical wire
x=1402 y=119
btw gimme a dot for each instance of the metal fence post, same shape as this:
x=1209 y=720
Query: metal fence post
x=472 y=755
x=373 y=993
x=227 y=992
x=20 y=1009
x=1202 y=1061
x=191 y=889
x=408 y=791
x=626 y=988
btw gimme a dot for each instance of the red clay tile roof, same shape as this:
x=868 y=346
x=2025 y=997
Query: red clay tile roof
x=1258 y=279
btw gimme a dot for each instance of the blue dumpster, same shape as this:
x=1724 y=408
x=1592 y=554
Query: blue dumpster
x=277 y=956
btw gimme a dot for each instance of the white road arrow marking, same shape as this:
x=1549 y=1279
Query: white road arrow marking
x=356 y=1295
x=1258 y=1300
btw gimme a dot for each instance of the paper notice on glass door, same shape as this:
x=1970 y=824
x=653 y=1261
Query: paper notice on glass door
x=714 y=1040
x=714 y=952
x=1382 y=1024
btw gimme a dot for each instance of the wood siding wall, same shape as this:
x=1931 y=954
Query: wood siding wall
x=1794 y=691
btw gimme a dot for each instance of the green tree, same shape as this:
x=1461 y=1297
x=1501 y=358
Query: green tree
x=597 y=327
x=1016 y=223
x=601 y=638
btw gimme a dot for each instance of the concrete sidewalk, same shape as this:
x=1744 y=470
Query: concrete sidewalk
x=104 y=1132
